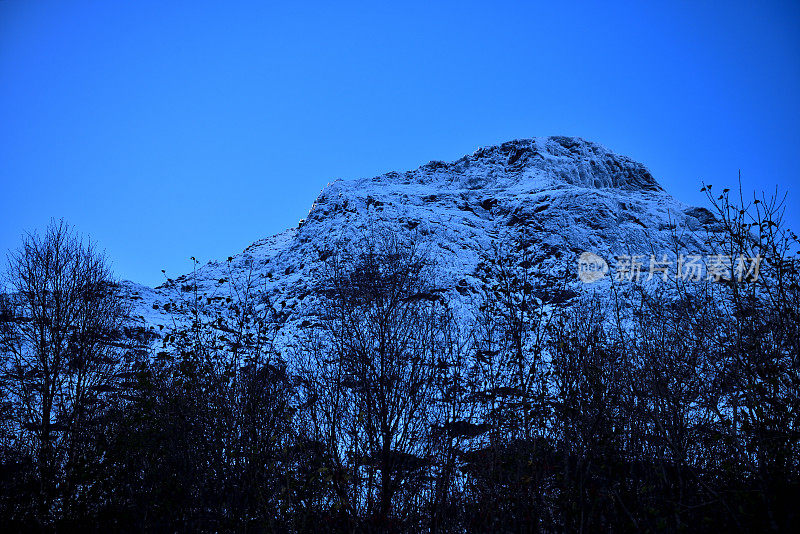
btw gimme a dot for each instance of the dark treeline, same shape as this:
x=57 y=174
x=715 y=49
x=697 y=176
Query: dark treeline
x=671 y=410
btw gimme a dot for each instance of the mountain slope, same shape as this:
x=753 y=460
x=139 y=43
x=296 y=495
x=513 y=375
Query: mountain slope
x=560 y=196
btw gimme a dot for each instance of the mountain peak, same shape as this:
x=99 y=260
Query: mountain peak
x=571 y=160
x=557 y=196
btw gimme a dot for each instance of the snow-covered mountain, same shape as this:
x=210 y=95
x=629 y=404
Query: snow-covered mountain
x=564 y=195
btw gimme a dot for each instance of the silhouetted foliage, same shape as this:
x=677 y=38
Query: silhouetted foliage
x=62 y=347
x=667 y=409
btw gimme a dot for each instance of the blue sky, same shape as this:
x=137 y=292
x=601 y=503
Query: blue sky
x=174 y=129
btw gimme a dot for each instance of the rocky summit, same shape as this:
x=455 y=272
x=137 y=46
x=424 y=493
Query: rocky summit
x=554 y=196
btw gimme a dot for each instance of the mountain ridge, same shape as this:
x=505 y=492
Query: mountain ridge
x=554 y=196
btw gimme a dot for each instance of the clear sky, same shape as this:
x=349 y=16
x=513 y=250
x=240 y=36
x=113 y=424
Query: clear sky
x=174 y=129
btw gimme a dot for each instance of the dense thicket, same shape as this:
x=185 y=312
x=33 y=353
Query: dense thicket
x=647 y=410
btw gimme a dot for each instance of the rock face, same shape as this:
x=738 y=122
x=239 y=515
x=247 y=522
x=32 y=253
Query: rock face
x=556 y=196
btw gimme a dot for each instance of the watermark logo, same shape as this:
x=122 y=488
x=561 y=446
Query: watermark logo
x=688 y=267
x=591 y=267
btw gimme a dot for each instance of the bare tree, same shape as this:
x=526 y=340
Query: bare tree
x=758 y=405
x=202 y=441
x=370 y=378
x=61 y=348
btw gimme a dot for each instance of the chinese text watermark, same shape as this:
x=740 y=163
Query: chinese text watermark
x=688 y=267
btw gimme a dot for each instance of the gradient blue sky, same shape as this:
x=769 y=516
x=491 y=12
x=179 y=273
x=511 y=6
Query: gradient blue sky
x=172 y=129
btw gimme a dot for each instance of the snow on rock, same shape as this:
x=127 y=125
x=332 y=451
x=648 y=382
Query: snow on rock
x=564 y=195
